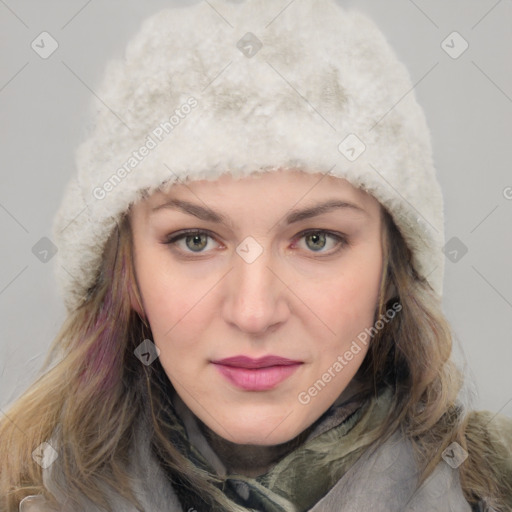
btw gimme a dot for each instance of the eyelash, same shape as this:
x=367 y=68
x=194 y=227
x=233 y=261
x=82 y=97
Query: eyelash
x=341 y=240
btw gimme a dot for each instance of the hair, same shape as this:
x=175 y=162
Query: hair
x=91 y=388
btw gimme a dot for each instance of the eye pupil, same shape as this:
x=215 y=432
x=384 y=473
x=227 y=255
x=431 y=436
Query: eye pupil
x=197 y=238
x=316 y=237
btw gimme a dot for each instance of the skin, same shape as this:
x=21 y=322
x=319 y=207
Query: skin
x=303 y=298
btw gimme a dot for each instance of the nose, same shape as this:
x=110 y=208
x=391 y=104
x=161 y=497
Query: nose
x=256 y=296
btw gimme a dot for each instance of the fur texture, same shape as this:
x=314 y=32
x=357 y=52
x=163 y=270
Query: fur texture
x=202 y=103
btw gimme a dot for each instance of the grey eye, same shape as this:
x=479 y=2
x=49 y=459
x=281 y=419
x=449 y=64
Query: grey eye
x=318 y=240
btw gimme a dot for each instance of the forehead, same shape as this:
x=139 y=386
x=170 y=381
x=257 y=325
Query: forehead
x=286 y=185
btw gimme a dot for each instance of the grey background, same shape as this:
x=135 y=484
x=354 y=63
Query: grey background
x=468 y=103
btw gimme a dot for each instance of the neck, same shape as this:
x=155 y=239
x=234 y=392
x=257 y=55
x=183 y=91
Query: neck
x=246 y=459
x=254 y=460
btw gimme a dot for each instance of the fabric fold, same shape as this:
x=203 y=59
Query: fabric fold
x=302 y=477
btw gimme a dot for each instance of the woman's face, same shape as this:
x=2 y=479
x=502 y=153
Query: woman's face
x=256 y=314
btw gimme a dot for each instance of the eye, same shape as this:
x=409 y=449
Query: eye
x=196 y=241
x=316 y=240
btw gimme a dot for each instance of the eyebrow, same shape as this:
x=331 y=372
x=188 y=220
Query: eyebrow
x=208 y=214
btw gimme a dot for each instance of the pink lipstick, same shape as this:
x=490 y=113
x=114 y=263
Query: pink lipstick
x=256 y=374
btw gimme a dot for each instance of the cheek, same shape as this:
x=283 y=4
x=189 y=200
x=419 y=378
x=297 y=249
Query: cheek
x=346 y=303
x=176 y=306
x=166 y=294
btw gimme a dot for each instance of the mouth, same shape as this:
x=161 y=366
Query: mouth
x=256 y=374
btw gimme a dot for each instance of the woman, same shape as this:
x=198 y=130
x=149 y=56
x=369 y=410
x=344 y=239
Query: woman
x=251 y=260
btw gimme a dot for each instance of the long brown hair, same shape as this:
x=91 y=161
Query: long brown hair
x=91 y=388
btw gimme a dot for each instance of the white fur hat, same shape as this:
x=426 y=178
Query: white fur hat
x=248 y=86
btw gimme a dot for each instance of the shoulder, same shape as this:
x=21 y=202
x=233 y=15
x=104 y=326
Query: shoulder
x=149 y=482
x=491 y=434
x=496 y=428
x=385 y=478
x=489 y=447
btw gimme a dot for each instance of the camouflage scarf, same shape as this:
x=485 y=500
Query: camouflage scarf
x=301 y=478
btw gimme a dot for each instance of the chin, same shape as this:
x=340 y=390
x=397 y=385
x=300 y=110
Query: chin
x=259 y=435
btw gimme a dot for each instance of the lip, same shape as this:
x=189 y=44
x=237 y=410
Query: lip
x=256 y=374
